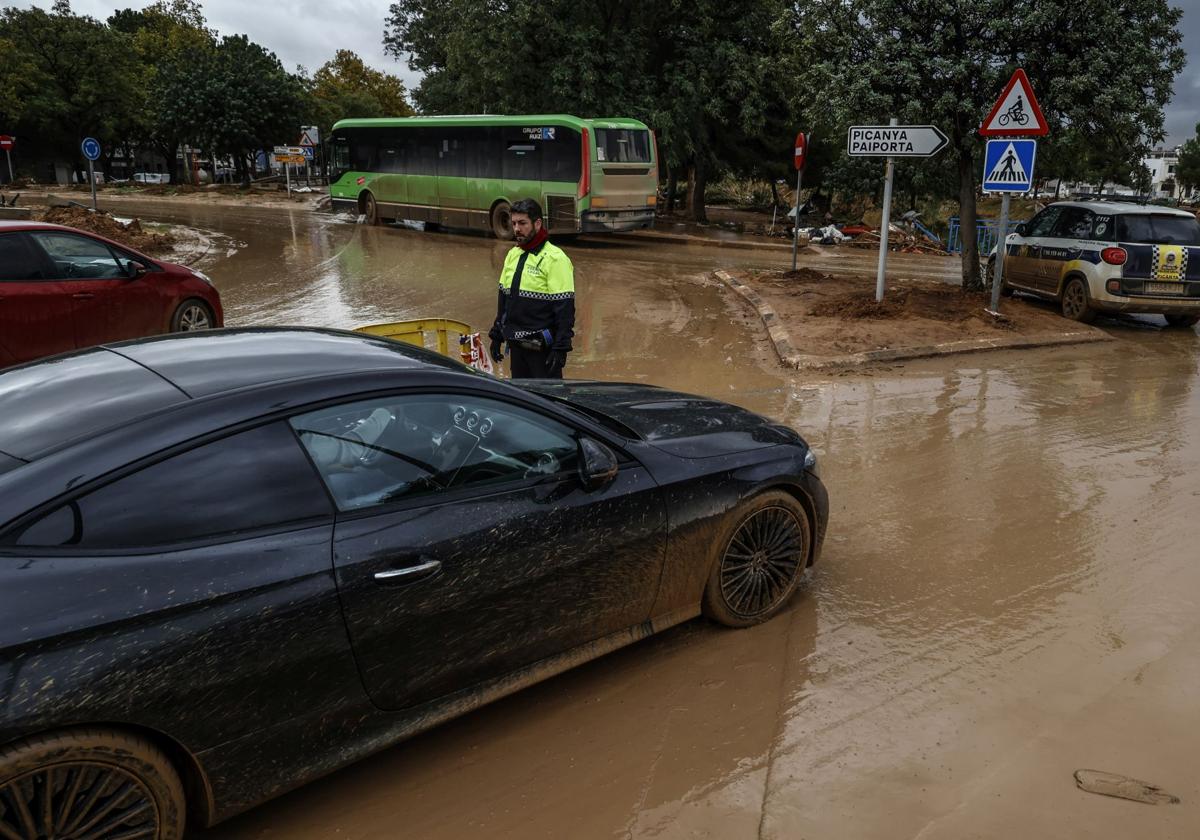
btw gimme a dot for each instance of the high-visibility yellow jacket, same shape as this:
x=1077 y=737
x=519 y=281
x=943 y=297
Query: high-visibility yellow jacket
x=544 y=280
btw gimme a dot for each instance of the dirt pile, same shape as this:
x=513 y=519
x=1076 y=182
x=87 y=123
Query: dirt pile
x=836 y=315
x=132 y=235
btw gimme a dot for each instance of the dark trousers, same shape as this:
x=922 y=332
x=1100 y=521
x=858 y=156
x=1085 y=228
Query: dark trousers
x=529 y=364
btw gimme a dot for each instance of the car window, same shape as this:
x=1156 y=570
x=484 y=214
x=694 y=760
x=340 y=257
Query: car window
x=395 y=448
x=1102 y=228
x=1074 y=223
x=1158 y=229
x=18 y=261
x=1043 y=222
x=245 y=482
x=78 y=257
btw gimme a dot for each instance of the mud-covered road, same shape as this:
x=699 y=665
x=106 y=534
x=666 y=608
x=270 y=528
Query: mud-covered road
x=1008 y=592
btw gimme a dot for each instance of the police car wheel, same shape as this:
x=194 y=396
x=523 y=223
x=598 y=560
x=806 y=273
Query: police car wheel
x=1075 y=303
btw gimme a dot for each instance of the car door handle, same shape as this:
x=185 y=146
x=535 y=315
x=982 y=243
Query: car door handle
x=83 y=296
x=423 y=569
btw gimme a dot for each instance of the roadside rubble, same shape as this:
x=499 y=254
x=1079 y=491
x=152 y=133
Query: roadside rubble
x=130 y=234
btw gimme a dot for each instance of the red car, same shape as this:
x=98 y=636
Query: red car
x=62 y=288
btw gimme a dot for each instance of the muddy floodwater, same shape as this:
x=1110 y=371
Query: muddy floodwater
x=1008 y=593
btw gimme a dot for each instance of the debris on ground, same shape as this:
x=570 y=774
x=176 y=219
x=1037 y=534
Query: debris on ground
x=1123 y=787
x=130 y=234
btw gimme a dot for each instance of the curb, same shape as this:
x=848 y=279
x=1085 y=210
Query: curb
x=782 y=340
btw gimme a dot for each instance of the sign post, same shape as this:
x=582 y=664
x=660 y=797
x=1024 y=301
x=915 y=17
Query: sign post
x=800 y=153
x=91 y=151
x=287 y=155
x=892 y=141
x=1007 y=169
x=7 y=143
x=1008 y=164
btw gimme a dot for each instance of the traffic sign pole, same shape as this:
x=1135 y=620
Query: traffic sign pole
x=885 y=225
x=92 y=178
x=801 y=156
x=8 y=154
x=1001 y=250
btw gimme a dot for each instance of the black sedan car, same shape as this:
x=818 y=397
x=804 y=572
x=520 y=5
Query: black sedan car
x=233 y=561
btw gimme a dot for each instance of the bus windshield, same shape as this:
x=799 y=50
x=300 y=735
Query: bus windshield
x=623 y=145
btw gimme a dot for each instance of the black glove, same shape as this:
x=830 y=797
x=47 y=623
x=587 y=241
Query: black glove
x=496 y=352
x=556 y=360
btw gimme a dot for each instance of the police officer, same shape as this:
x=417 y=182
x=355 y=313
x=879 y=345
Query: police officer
x=535 y=314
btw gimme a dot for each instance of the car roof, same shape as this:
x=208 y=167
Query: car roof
x=1124 y=207
x=49 y=403
x=22 y=224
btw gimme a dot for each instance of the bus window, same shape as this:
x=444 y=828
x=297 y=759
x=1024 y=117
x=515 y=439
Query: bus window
x=522 y=160
x=560 y=157
x=364 y=150
x=339 y=157
x=622 y=145
x=391 y=154
x=452 y=156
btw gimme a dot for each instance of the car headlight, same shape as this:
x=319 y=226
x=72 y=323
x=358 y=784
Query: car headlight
x=202 y=276
x=810 y=463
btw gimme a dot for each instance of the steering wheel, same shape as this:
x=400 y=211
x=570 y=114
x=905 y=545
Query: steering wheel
x=371 y=451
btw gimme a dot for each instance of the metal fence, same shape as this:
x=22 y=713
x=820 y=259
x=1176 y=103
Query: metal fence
x=986 y=234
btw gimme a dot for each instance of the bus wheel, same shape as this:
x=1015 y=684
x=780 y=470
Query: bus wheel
x=370 y=209
x=501 y=223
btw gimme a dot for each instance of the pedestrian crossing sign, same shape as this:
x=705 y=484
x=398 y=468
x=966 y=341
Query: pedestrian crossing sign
x=1008 y=166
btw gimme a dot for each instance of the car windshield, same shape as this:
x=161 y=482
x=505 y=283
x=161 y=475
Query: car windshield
x=1158 y=229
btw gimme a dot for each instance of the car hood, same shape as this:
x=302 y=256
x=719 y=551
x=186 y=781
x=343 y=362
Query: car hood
x=683 y=424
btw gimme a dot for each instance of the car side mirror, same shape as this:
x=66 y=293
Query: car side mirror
x=134 y=269
x=597 y=464
x=1021 y=229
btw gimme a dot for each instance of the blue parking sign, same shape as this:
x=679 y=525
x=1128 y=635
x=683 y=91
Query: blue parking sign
x=1008 y=165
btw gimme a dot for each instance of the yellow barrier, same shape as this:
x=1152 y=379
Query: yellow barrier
x=414 y=332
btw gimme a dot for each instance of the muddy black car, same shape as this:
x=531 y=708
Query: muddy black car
x=233 y=561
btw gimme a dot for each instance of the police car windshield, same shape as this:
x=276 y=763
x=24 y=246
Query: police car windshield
x=1158 y=229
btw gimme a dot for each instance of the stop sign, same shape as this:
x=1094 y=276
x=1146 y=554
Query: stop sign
x=6 y=142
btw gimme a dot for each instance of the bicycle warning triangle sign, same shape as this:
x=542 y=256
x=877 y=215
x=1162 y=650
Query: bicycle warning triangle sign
x=1016 y=112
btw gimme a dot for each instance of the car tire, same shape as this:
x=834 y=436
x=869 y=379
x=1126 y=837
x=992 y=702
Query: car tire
x=371 y=210
x=192 y=315
x=1182 y=321
x=763 y=552
x=85 y=770
x=502 y=221
x=1005 y=289
x=1075 y=302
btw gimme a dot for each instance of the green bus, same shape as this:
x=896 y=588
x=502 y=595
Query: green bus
x=465 y=172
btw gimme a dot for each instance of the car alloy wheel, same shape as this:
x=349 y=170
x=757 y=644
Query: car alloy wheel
x=77 y=800
x=194 y=317
x=762 y=561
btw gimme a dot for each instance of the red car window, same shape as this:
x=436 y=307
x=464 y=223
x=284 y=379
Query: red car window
x=78 y=257
x=18 y=261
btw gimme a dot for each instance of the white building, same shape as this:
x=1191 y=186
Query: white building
x=1161 y=164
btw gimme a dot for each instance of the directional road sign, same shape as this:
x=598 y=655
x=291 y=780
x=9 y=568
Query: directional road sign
x=1016 y=113
x=91 y=148
x=1008 y=165
x=895 y=141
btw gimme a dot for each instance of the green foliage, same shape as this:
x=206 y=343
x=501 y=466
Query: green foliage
x=345 y=87
x=1187 y=172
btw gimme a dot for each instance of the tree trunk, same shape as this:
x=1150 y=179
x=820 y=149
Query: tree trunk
x=696 y=200
x=971 y=280
x=688 y=193
x=672 y=185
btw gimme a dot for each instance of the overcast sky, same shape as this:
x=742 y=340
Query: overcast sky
x=308 y=32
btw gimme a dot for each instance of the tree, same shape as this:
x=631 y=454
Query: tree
x=709 y=76
x=345 y=87
x=1187 y=171
x=78 y=77
x=944 y=62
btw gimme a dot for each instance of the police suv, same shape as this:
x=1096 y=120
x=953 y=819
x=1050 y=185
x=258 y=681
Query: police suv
x=1104 y=256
